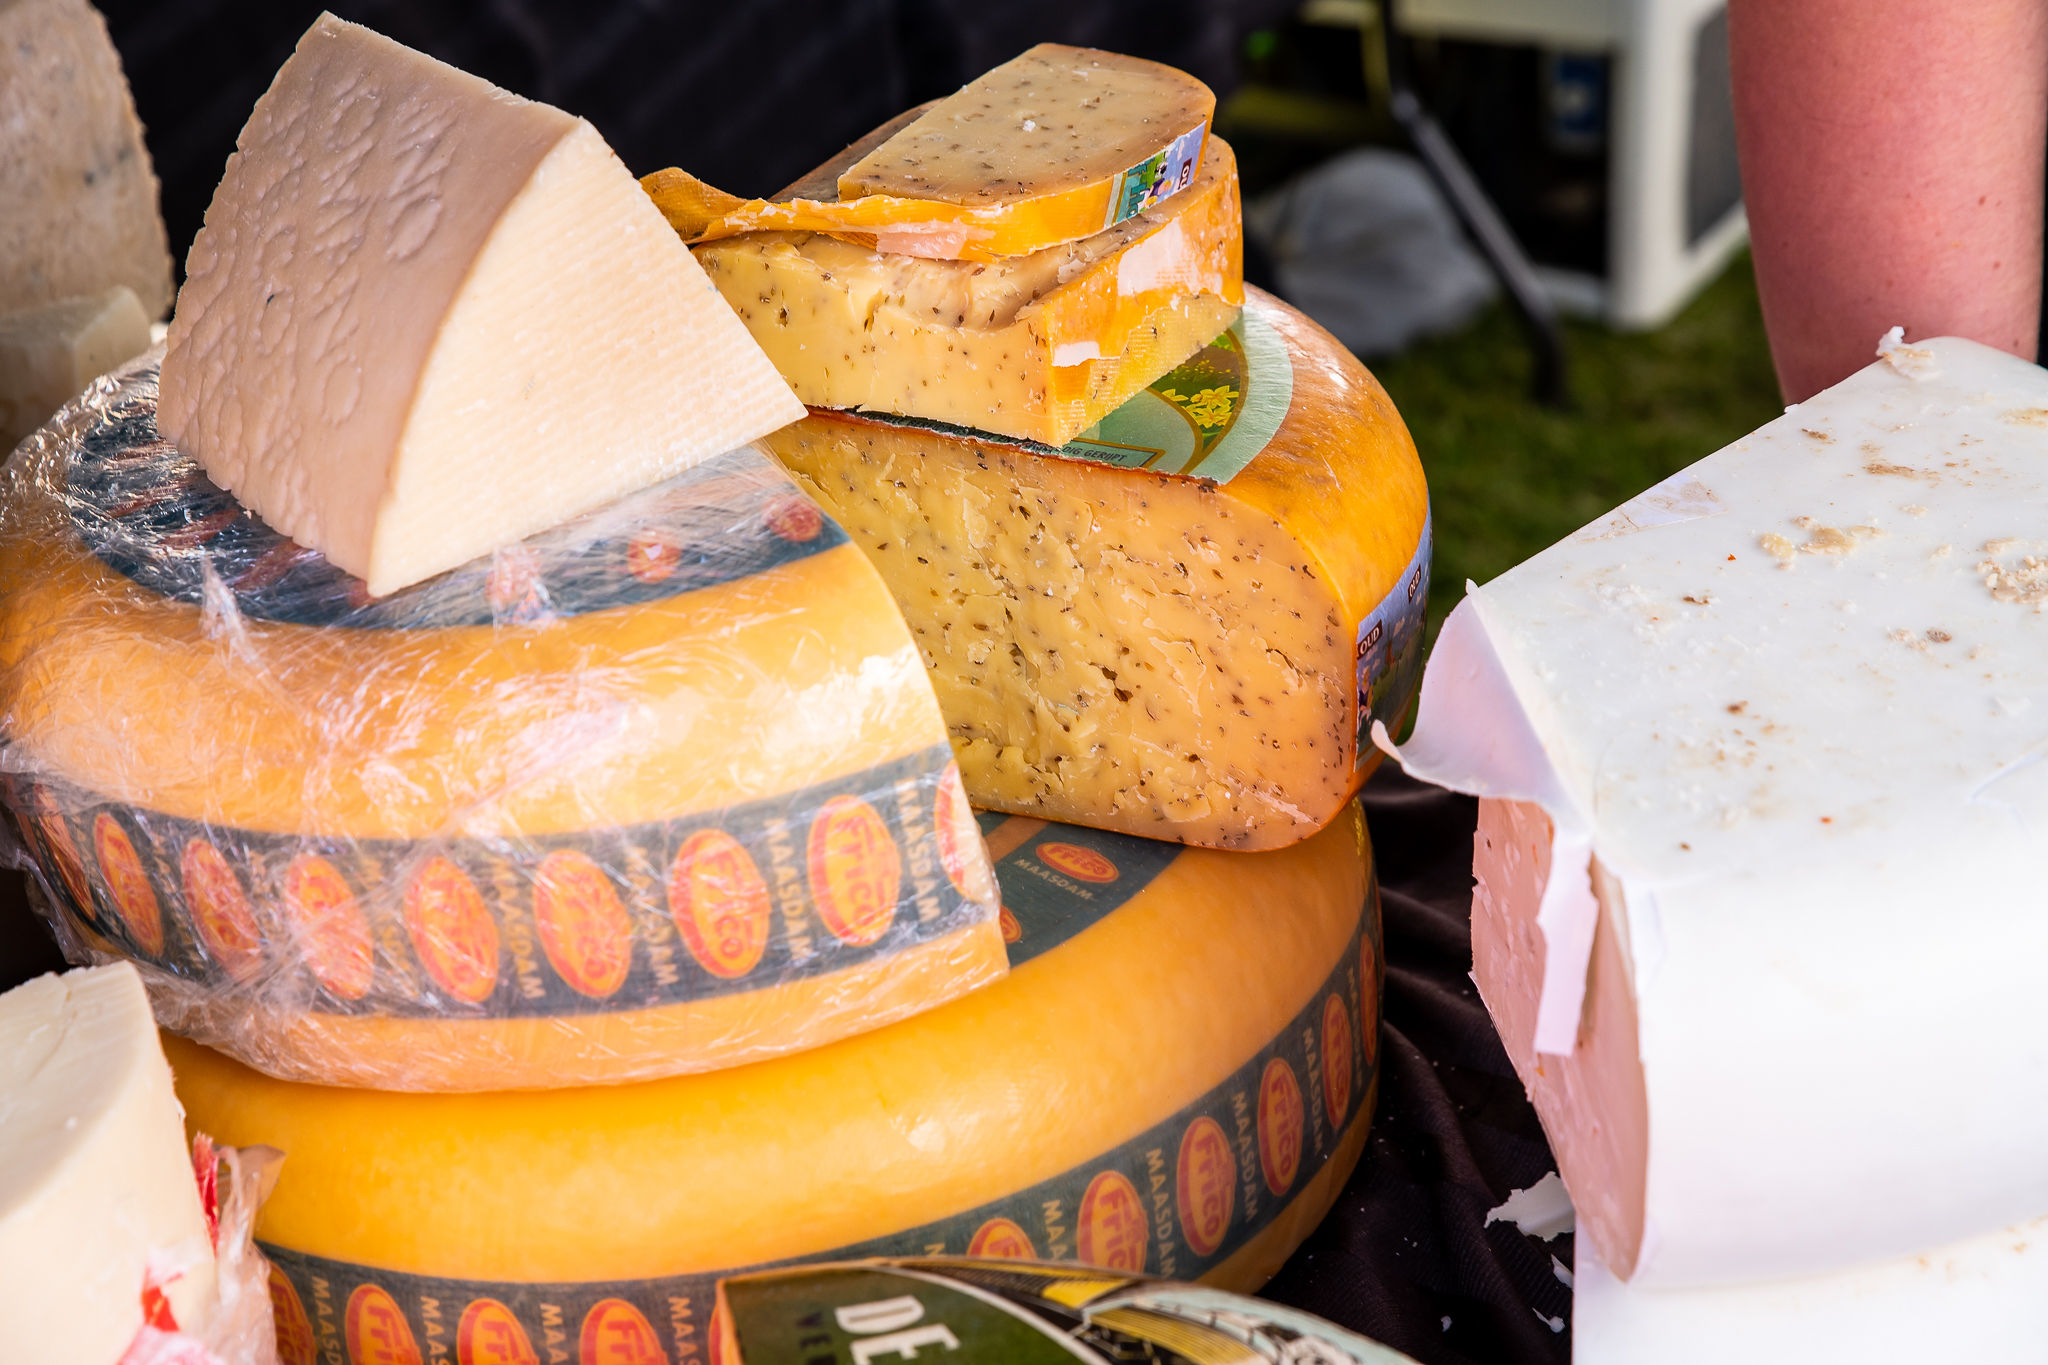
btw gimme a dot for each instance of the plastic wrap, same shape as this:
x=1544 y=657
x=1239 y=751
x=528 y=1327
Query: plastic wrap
x=1177 y=1077
x=239 y=1327
x=1016 y=1312
x=1182 y=624
x=661 y=790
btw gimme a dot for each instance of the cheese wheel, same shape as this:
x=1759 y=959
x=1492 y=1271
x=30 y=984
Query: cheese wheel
x=1184 y=625
x=1176 y=1077
x=661 y=790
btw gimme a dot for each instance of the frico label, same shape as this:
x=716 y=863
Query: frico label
x=1176 y=1199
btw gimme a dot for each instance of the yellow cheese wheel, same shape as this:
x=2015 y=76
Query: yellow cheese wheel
x=660 y=790
x=1183 y=623
x=1176 y=1076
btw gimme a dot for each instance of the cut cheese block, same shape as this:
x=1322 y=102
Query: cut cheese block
x=79 y=211
x=659 y=790
x=49 y=353
x=1761 y=853
x=1016 y=1312
x=1176 y=1077
x=426 y=319
x=1984 y=1300
x=97 y=1197
x=1055 y=145
x=1184 y=627
x=1037 y=346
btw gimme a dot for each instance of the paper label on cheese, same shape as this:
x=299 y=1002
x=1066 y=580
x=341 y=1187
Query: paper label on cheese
x=1390 y=647
x=800 y=884
x=1206 y=419
x=1166 y=172
x=151 y=514
x=1175 y=1200
x=1059 y=879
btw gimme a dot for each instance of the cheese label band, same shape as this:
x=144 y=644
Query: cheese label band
x=1166 y=172
x=1206 y=419
x=1177 y=1199
x=152 y=515
x=1390 y=648
x=1017 y=1312
x=802 y=884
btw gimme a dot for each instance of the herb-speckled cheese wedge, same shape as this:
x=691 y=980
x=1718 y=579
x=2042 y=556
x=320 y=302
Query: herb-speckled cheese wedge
x=1194 y=655
x=1037 y=347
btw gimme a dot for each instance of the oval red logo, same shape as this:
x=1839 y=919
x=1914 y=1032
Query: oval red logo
x=1001 y=1239
x=334 y=936
x=795 y=518
x=615 y=1333
x=1082 y=864
x=1205 y=1185
x=1013 y=932
x=1282 y=1116
x=295 y=1345
x=1368 y=1000
x=377 y=1331
x=1336 y=1059
x=719 y=903
x=585 y=932
x=220 y=910
x=70 y=867
x=128 y=883
x=452 y=931
x=959 y=836
x=489 y=1334
x=856 y=873
x=652 y=555
x=1110 y=1228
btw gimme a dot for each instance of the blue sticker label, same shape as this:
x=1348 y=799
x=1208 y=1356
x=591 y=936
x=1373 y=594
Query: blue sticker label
x=1390 y=647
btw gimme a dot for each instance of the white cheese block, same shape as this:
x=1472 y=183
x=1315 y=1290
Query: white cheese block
x=1759 y=905
x=96 y=1184
x=1984 y=1300
x=48 y=354
x=78 y=200
x=426 y=319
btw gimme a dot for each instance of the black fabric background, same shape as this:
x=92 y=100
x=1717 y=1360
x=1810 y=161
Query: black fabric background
x=1407 y=1247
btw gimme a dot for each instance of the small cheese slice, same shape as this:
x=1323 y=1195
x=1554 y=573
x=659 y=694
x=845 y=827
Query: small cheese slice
x=1760 y=848
x=1038 y=346
x=1193 y=655
x=48 y=354
x=96 y=1186
x=1050 y=147
x=426 y=319
x=78 y=213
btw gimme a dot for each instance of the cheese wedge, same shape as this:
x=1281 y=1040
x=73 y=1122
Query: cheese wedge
x=1759 y=856
x=1038 y=346
x=78 y=211
x=1054 y=145
x=1183 y=625
x=659 y=790
x=426 y=319
x=1176 y=1078
x=97 y=1196
x=48 y=354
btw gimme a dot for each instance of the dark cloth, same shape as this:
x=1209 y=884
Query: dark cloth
x=1407 y=1247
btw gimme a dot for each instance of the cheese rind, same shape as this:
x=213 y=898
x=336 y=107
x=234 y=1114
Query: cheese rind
x=1163 y=655
x=96 y=1185
x=1779 y=714
x=79 y=213
x=1053 y=146
x=49 y=353
x=426 y=319
x=1135 y=1015
x=662 y=789
x=1038 y=346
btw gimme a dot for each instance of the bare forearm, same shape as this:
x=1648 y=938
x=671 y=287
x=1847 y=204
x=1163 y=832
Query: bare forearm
x=1892 y=158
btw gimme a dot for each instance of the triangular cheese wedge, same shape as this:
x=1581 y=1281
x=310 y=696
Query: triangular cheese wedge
x=427 y=318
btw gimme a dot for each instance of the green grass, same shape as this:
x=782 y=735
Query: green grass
x=1508 y=477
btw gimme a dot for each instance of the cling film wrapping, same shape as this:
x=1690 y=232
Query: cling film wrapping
x=657 y=791
x=1175 y=1080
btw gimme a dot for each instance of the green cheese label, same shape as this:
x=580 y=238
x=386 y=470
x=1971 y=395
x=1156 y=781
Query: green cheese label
x=1206 y=419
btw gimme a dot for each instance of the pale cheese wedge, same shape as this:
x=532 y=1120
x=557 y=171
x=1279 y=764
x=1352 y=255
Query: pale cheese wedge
x=48 y=354
x=426 y=319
